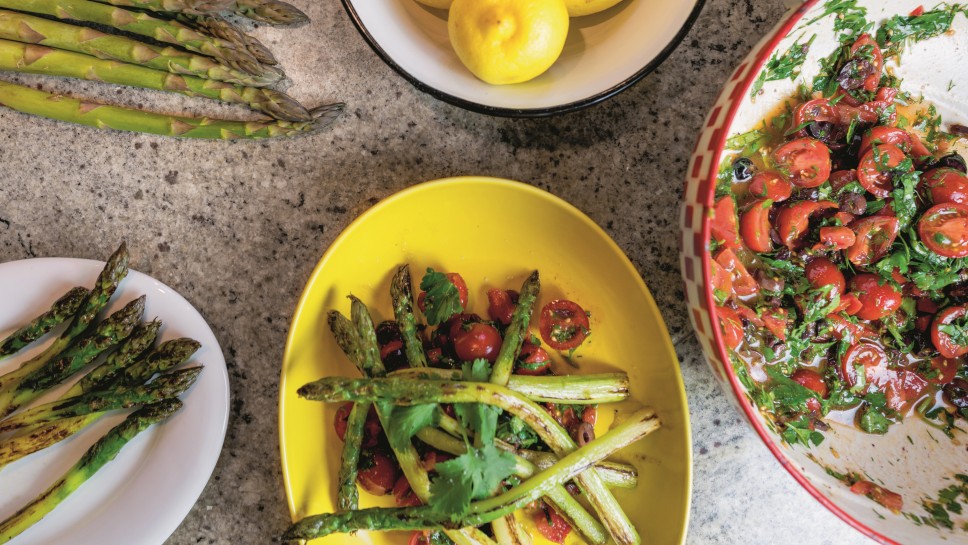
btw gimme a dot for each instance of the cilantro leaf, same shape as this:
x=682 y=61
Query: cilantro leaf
x=405 y=422
x=442 y=299
x=471 y=476
x=478 y=417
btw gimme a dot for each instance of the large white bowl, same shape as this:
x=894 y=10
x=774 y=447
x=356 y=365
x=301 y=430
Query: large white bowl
x=908 y=459
x=605 y=54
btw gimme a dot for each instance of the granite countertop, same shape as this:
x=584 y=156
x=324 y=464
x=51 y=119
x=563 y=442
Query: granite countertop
x=238 y=227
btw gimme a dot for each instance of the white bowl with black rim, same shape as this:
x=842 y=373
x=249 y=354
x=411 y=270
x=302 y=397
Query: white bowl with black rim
x=605 y=53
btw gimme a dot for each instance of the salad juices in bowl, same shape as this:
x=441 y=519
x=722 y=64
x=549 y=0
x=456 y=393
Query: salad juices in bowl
x=826 y=231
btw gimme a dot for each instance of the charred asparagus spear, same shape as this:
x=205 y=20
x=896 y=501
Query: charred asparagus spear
x=272 y=12
x=166 y=356
x=141 y=23
x=571 y=466
x=401 y=291
x=25 y=28
x=516 y=331
x=38 y=59
x=105 y=450
x=107 y=282
x=62 y=310
x=31 y=101
x=166 y=386
x=136 y=345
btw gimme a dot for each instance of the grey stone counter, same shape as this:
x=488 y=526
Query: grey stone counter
x=237 y=228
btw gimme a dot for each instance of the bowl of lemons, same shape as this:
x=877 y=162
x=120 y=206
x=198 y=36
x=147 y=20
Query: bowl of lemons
x=523 y=58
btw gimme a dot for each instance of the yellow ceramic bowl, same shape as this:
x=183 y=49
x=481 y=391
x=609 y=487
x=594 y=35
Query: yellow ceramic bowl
x=493 y=232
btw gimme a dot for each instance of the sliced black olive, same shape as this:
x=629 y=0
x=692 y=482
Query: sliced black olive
x=960 y=130
x=767 y=281
x=387 y=331
x=742 y=169
x=853 y=74
x=829 y=133
x=956 y=393
x=953 y=160
x=853 y=203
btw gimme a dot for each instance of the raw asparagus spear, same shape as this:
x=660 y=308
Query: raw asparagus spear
x=107 y=282
x=217 y=27
x=401 y=291
x=31 y=101
x=571 y=466
x=408 y=392
x=176 y=6
x=93 y=460
x=134 y=346
x=110 y=332
x=38 y=59
x=163 y=387
x=137 y=22
x=25 y=28
x=272 y=12
x=62 y=310
x=516 y=331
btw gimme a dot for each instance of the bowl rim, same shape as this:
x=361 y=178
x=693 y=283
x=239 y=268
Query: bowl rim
x=527 y=112
x=763 y=54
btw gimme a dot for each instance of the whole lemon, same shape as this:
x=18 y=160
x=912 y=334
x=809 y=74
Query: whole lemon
x=439 y=4
x=577 y=8
x=508 y=41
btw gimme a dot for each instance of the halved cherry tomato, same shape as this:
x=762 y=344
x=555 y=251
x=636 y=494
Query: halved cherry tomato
x=878 y=298
x=877 y=168
x=378 y=472
x=946 y=185
x=744 y=284
x=769 y=185
x=875 y=234
x=793 y=220
x=812 y=380
x=944 y=370
x=805 y=162
x=403 y=493
x=563 y=324
x=775 y=320
x=850 y=331
x=944 y=229
x=342 y=416
x=872 y=52
x=883 y=496
x=754 y=225
x=722 y=281
x=724 y=224
x=904 y=387
x=732 y=327
x=419 y=538
x=837 y=238
x=500 y=305
x=533 y=360
x=819 y=109
x=551 y=525
x=480 y=340
x=748 y=314
x=850 y=304
x=943 y=342
x=458 y=281
x=873 y=359
x=821 y=272
x=460 y=322
x=882 y=134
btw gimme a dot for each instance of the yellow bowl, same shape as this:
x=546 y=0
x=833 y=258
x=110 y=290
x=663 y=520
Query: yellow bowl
x=493 y=232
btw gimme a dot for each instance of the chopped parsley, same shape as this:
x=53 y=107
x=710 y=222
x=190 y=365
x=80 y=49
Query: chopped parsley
x=784 y=66
x=900 y=30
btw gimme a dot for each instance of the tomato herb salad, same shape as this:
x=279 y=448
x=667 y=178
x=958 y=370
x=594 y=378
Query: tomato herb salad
x=839 y=244
x=464 y=422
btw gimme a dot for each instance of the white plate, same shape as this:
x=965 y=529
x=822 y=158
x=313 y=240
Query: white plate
x=142 y=496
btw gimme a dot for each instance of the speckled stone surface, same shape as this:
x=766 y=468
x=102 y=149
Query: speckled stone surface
x=237 y=228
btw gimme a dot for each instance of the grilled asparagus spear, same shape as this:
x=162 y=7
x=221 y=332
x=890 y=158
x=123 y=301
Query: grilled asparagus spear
x=62 y=310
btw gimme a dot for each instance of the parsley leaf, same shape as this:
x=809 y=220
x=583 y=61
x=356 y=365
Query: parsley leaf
x=874 y=421
x=905 y=194
x=471 y=476
x=443 y=298
x=798 y=431
x=478 y=417
x=899 y=30
x=405 y=422
x=957 y=330
x=783 y=66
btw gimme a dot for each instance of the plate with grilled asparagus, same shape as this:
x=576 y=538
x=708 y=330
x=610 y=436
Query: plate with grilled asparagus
x=460 y=372
x=113 y=403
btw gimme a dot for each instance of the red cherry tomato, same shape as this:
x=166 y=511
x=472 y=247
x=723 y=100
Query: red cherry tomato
x=903 y=387
x=840 y=178
x=342 y=416
x=793 y=220
x=551 y=525
x=403 y=494
x=944 y=229
x=533 y=360
x=744 y=284
x=872 y=52
x=722 y=281
x=837 y=238
x=732 y=327
x=458 y=281
x=877 y=168
x=821 y=272
x=874 y=236
x=943 y=342
x=563 y=324
x=883 y=496
x=850 y=304
x=755 y=226
x=500 y=305
x=812 y=380
x=886 y=135
x=749 y=315
x=480 y=340
x=805 y=162
x=419 y=538
x=775 y=320
x=819 y=109
x=724 y=223
x=872 y=358
x=944 y=370
x=946 y=185
x=769 y=185
x=378 y=473
x=846 y=330
x=878 y=298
